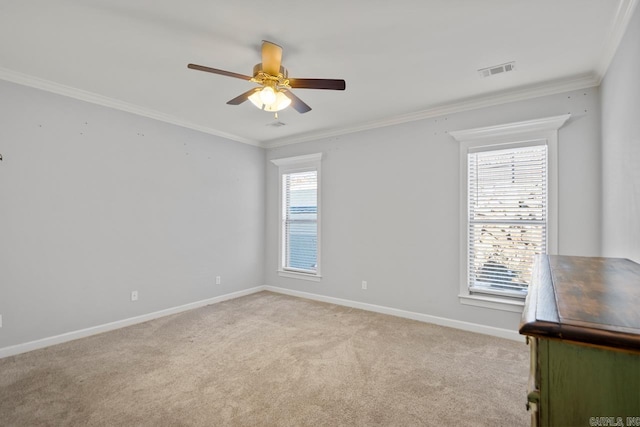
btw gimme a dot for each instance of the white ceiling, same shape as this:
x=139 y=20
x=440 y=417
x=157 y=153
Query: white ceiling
x=401 y=59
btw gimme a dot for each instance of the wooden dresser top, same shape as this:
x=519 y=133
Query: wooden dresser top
x=585 y=299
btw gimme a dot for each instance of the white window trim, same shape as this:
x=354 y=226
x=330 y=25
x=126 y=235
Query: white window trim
x=503 y=136
x=289 y=165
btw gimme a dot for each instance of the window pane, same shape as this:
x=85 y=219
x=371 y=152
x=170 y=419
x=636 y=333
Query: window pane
x=507 y=217
x=502 y=254
x=301 y=220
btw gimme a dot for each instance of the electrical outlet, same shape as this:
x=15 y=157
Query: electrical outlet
x=218 y=280
x=364 y=285
x=134 y=295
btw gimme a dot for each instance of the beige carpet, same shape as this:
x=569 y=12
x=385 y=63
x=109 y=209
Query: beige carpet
x=268 y=359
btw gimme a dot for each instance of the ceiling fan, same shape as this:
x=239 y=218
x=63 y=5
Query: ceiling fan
x=274 y=93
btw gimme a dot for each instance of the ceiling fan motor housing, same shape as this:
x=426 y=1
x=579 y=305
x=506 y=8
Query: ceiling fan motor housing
x=257 y=69
x=280 y=81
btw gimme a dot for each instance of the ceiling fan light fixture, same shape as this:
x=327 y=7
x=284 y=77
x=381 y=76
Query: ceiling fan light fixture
x=268 y=95
x=280 y=101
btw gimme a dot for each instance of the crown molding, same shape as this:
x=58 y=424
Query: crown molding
x=466 y=104
x=625 y=11
x=94 y=98
x=533 y=91
x=496 y=98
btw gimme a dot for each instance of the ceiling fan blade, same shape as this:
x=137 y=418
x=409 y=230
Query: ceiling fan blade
x=297 y=103
x=216 y=71
x=241 y=98
x=271 y=58
x=331 y=84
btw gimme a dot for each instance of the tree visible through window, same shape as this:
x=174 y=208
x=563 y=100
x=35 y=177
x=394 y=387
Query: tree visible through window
x=507 y=208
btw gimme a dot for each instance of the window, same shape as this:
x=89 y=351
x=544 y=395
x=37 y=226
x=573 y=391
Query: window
x=509 y=208
x=300 y=221
x=299 y=243
x=507 y=217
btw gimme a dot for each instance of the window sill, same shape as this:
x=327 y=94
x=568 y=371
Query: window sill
x=495 y=303
x=303 y=276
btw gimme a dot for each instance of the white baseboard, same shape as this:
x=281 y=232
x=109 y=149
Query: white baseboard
x=442 y=321
x=70 y=336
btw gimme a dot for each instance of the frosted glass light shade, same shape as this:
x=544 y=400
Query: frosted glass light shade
x=268 y=95
x=280 y=103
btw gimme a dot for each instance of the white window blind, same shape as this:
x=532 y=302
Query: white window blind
x=300 y=221
x=507 y=203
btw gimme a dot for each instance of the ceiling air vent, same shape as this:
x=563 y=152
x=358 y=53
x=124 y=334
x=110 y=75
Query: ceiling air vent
x=497 y=69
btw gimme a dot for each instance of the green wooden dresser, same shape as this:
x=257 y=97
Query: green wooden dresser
x=582 y=322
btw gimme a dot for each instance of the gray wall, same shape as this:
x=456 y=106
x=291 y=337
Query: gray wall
x=390 y=206
x=95 y=203
x=620 y=91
